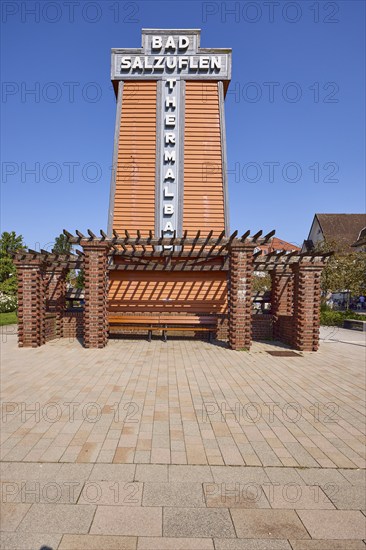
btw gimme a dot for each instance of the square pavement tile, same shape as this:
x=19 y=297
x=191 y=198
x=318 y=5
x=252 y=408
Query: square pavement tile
x=166 y=543
x=173 y=494
x=131 y=521
x=97 y=542
x=350 y=497
x=327 y=544
x=112 y=493
x=333 y=524
x=11 y=515
x=58 y=518
x=268 y=524
x=27 y=541
x=251 y=544
x=197 y=522
x=151 y=472
x=299 y=497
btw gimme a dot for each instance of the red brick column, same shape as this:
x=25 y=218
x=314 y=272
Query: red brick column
x=282 y=299
x=31 y=302
x=240 y=296
x=55 y=295
x=306 y=321
x=96 y=281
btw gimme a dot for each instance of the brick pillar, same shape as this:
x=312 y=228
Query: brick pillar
x=306 y=320
x=96 y=281
x=31 y=302
x=240 y=296
x=55 y=295
x=282 y=298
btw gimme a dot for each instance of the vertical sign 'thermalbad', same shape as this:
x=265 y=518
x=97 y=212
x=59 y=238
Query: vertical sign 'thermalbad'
x=169 y=164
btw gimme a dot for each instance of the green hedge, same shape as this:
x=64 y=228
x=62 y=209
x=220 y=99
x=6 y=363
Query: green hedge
x=329 y=317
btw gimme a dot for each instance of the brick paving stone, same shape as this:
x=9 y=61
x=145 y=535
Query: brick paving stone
x=197 y=522
x=28 y=541
x=97 y=542
x=270 y=524
x=58 y=518
x=333 y=524
x=130 y=521
x=166 y=543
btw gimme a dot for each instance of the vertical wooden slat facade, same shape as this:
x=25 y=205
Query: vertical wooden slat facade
x=176 y=292
x=203 y=200
x=134 y=203
x=203 y=172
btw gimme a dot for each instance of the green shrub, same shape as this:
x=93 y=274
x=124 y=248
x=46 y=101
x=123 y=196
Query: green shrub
x=331 y=318
x=7 y=303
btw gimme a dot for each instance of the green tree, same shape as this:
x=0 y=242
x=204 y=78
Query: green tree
x=62 y=245
x=344 y=270
x=9 y=244
x=80 y=279
x=261 y=284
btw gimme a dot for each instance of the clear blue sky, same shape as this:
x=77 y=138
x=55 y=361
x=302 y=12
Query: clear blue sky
x=296 y=96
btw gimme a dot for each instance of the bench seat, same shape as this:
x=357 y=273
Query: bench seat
x=165 y=323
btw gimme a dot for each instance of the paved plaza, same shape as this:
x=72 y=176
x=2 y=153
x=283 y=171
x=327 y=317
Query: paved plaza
x=184 y=445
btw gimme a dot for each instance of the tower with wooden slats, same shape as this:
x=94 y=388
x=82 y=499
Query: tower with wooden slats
x=169 y=163
x=169 y=166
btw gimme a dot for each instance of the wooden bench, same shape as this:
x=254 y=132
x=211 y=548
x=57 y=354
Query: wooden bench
x=165 y=323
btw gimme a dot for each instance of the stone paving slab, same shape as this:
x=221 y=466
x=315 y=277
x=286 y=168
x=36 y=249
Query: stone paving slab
x=167 y=543
x=334 y=524
x=97 y=542
x=28 y=541
x=251 y=544
x=197 y=522
x=347 y=498
x=58 y=518
x=178 y=494
x=268 y=524
x=131 y=521
x=327 y=544
x=12 y=514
